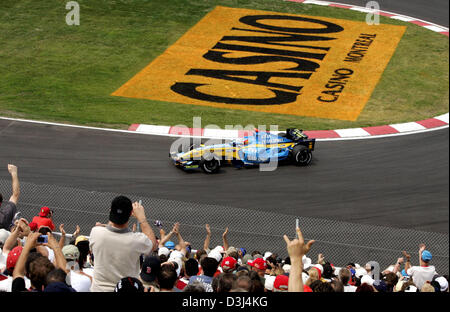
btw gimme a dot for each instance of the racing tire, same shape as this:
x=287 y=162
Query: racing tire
x=301 y=155
x=211 y=165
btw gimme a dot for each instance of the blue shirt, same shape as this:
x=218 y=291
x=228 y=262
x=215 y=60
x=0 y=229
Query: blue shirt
x=205 y=280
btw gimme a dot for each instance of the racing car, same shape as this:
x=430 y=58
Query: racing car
x=292 y=146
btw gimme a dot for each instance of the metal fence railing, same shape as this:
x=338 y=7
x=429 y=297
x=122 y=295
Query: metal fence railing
x=340 y=242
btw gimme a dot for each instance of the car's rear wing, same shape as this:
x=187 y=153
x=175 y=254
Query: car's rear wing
x=309 y=143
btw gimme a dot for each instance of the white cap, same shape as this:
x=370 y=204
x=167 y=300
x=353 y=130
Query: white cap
x=4 y=234
x=366 y=279
x=219 y=249
x=51 y=254
x=2 y=261
x=306 y=262
x=175 y=254
x=267 y=254
x=268 y=284
x=442 y=282
x=336 y=271
x=360 y=272
x=304 y=277
x=286 y=268
x=163 y=251
x=411 y=288
x=215 y=254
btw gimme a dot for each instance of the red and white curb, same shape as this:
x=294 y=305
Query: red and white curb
x=353 y=133
x=339 y=134
x=404 y=18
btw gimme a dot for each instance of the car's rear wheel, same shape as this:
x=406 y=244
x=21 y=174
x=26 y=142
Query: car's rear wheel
x=210 y=163
x=301 y=155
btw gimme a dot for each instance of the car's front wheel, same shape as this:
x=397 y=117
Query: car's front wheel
x=301 y=155
x=210 y=165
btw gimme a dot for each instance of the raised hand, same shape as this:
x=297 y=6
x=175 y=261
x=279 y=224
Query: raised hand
x=12 y=169
x=297 y=247
x=77 y=231
x=61 y=229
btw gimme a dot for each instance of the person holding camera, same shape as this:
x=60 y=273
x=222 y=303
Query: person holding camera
x=45 y=218
x=116 y=249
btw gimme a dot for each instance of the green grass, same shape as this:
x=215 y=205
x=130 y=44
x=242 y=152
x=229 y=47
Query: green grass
x=50 y=71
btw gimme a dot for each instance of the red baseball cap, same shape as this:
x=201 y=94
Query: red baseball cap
x=281 y=282
x=13 y=256
x=44 y=211
x=228 y=263
x=258 y=263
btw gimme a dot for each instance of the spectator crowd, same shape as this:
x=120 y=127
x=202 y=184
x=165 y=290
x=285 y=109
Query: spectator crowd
x=115 y=258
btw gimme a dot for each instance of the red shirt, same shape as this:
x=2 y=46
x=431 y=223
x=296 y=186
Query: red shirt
x=181 y=283
x=42 y=221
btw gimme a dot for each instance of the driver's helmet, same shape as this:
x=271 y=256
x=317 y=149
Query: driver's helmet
x=297 y=134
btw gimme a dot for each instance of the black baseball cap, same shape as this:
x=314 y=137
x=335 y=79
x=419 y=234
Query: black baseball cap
x=150 y=269
x=129 y=284
x=121 y=208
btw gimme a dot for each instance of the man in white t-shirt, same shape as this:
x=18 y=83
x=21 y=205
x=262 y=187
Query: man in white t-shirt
x=423 y=273
x=116 y=249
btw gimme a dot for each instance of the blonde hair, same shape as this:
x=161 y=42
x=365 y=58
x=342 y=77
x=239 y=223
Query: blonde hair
x=313 y=276
x=427 y=287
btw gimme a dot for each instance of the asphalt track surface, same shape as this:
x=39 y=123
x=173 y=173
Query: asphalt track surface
x=386 y=181
x=397 y=182
x=435 y=11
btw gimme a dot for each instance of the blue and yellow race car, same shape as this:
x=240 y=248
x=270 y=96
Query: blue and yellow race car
x=259 y=148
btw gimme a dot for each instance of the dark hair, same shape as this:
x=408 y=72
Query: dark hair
x=244 y=282
x=272 y=259
x=364 y=288
x=406 y=285
x=121 y=208
x=167 y=277
x=56 y=275
x=83 y=247
x=345 y=275
x=337 y=286
x=44 y=230
x=209 y=266
x=322 y=287
x=1 y=198
x=436 y=285
x=191 y=267
x=215 y=282
x=38 y=271
x=226 y=282
x=163 y=258
x=200 y=253
x=257 y=286
x=242 y=273
x=31 y=257
x=327 y=271
x=129 y=285
x=196 y=287
x=256 y=252
x=391 y=279
x=234 y=254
